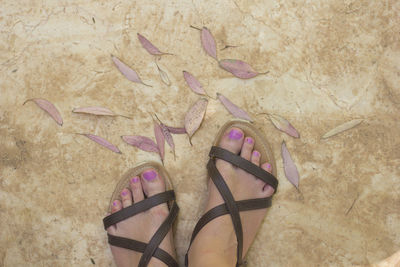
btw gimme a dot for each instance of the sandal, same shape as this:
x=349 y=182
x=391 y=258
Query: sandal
x=150 y=249
x=231 y=206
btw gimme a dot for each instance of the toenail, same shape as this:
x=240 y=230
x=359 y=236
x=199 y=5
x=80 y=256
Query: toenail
x=124 y=193
x=235 y=134
x=249 y=140
x=269 y=166
x=134 y=179
x=115 y=203
x=149 y=175
x=256 y=153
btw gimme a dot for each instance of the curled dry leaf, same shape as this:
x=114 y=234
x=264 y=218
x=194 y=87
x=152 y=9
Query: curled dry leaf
x=195 y=116
x=49 y=108
x=193 y=83
x=343 y=127
x=167 y=135
x=176 y=130
x=233 y=109
x=149 y=46
x=103 y=142
x=129 y=73
x=239 y=68
x=282 y=124
x=208 y=43
x=163 y=76
x=141 y=142
x=289 y=167
x=158 y=133
x=100 y=111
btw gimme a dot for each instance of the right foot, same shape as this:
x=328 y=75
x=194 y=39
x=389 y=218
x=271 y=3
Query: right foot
x=216 y=242
x=142 y=226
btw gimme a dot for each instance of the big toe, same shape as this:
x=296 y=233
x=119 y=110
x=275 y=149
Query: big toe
x=152 y=182
x=232 y=140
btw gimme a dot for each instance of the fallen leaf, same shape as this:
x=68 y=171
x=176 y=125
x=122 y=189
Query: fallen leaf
x=208 y=42
x=239 y=68
x=289 y=167
x=282 y=124
x=129 y=73
x=141 y=142
x=167 y=135
x=158 y=133
x=100 y=111
x=163 y=76
x=49 y=108
x=343 y=127
x=149 y=46
x=176 y=130
x=103 y=142
x=233 y=109
x=195 y=116
x=193 y=83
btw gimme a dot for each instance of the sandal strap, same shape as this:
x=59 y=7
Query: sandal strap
x=138 y=207
x=248 y=166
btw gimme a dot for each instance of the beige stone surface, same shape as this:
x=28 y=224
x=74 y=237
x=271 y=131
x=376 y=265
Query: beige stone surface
x=329 y=61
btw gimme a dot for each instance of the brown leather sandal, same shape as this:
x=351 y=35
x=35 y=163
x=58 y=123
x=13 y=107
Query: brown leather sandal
x=150 y=249
x=231 y=206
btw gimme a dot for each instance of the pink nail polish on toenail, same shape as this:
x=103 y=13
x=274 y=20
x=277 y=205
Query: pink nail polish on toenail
x=134 y=180
x=256 y=153
x=249 y=140
x=124 y=193
x=150 y=175
x=115 y=203
x=269 y=166
x=235 y=134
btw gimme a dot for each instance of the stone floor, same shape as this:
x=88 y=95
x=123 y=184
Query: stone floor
x=329 y=62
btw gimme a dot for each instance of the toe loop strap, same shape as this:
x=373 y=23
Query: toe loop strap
x=248 y=166
x=138 y=207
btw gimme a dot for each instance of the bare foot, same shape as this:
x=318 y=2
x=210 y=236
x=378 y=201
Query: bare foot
x=217 y=240
x=142 y=226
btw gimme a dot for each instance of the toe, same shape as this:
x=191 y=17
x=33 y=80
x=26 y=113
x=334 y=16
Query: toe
x=136 y=188
x=126 y=197
x=247 y=147
x=152 y=183
x=232 y=140
x=116 y=206
x=267 y=190
x=255 y=157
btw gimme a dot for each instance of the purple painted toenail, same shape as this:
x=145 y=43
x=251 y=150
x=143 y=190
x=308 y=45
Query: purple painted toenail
x=249 y=140
x=235 y=134
x=115 y=203
x=134 y=180
x=150 y=175
x=256 y=153
x=269 y=166
x=124 y=193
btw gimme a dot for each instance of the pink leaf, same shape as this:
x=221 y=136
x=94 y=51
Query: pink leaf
x=193 y=83
x=233 y=109
x=238 y=68
x=100 y=111
x=141 y=142
x=289 y=167
x=129 y=73
x=49 y=108
x=176 y=130
x=282 y=124
x=208 y=42
x=195 y=116
x=149 y=46
x=168 y=137
x=158 y=133
x=103 y=142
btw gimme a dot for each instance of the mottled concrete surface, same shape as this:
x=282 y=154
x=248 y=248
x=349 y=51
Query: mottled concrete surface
x=329 y=61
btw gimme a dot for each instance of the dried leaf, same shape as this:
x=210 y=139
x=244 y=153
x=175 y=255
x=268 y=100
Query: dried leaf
x=208 y=42
x=233 y=109
x=167 y=135
x=141 y=142
x=100 y=111
x=239 y=68
x=129 y=73
x=158 y=133
x=49 y=108
x=343 y=127
x=282 y=124
x=103 y=142
x=176 y=130
x=163 y=76
x=289 y=167
x=193 y=83
x=149 y=46
x=195 y=116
